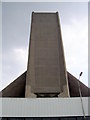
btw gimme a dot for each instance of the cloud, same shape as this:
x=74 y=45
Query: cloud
x=75 y=39
x=14 y=64
x=21 y=55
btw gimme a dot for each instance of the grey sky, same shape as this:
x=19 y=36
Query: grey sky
x=16 y=20
x=44 y=0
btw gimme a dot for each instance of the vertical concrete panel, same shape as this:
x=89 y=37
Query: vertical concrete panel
x=46 y=72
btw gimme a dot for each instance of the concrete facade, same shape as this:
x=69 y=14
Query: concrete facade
x=46 y=72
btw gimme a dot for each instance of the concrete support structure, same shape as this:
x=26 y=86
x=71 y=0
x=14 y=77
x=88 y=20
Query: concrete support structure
x=46 y=71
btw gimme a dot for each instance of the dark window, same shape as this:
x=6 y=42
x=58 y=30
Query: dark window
x=45 y=118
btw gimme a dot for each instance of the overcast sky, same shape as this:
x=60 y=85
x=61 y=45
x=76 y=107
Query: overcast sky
x=16 y=20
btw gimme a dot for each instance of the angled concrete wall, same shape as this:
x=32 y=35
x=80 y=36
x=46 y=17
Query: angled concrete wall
x=73 y=87
x=16 y=88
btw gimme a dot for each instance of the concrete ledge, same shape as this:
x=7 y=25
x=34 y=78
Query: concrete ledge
x=42 y=107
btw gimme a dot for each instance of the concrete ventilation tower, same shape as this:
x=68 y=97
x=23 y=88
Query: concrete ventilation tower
x=46 y=71
x=46 y=74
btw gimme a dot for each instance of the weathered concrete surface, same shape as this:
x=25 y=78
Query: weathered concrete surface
x=46 y=72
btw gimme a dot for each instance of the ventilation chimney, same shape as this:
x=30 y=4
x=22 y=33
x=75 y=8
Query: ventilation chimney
x=46 y=71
